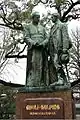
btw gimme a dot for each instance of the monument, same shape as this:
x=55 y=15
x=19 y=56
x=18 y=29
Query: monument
x=47 y=93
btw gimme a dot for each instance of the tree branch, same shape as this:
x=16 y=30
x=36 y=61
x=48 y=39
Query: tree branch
x=69 y=9
x=15 y=56
x=12 y=26
x=75 y=83
x=46 y=1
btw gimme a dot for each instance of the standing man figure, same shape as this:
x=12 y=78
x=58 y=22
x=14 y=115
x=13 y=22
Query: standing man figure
x=59 y=44
x=36 y=38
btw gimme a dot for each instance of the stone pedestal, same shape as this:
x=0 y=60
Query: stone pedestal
x=49 y=105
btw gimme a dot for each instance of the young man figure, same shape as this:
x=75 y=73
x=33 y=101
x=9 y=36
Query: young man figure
x=59 y=44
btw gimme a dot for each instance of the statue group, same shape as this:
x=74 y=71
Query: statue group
x=47 y=53
x=47 y=93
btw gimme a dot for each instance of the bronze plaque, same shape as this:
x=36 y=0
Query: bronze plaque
x=43 y=108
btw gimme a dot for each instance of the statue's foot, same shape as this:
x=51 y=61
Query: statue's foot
x=60 y=86
x=42 y=85
x=68 y=84
x=58 y=83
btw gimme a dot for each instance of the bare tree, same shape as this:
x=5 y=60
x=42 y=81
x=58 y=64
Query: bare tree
x=75 y=55
x=12 y=15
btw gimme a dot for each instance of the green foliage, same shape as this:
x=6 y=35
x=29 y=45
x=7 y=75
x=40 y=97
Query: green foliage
x=7 y=102
x=26 y=15
x=58 y=2
x=18 y=14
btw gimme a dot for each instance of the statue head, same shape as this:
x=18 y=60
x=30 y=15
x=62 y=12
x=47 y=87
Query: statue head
x=55 y=16
x=35 y=17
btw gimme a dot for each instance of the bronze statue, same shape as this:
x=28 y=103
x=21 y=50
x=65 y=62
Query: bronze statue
x=41 y=73
x=36 y=38
x=59 y=45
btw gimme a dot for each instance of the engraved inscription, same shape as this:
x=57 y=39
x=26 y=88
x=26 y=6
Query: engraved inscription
x=43 y=107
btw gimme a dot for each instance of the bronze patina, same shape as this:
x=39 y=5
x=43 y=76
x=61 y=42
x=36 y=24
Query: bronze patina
x=36 y=38
x=43 y=74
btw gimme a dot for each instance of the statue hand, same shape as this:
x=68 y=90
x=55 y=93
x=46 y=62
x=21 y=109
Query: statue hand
x=33 y=43
x=65 y=51
x=43 y=44
x=36 y=44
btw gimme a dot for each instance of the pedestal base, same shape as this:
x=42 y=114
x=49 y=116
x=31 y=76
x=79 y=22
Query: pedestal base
x=50 y=105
